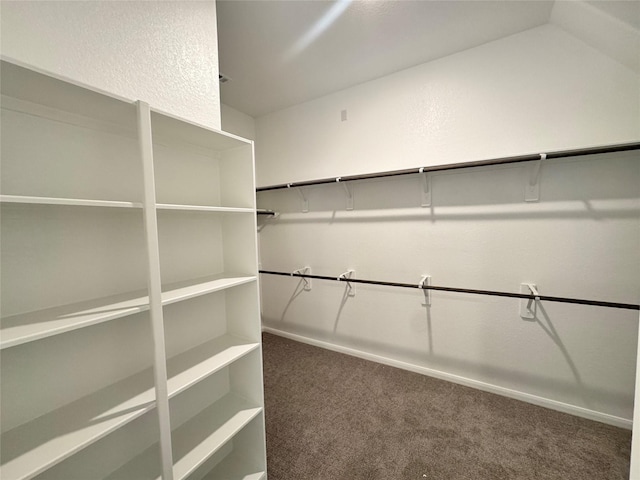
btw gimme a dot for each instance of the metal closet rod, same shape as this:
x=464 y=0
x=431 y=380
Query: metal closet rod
x=546 y=298
x=623 y=147
x=262 y=211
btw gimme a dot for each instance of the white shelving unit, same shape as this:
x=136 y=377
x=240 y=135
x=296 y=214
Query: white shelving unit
x=129 y=338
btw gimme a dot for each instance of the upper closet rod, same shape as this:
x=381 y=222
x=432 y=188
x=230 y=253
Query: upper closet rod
x=422 y=286
x=454 y=166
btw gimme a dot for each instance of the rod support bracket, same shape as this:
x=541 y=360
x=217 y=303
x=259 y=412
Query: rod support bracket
x=306 y=282
x=532 y=189
x=346 y=276
x=426 y=188
x=303 y=197
x=347 y=191
x=528 y=306
x=425 y=281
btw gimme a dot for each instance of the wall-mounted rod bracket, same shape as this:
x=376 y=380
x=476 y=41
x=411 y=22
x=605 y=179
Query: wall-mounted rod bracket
x=269 y=214
x=523 y=295
x=351 y=287
x=426 y=188
x=306 y=281
x=624 y=147
x=528 y=306
x=305 y=200
x=425 y=281
x=532 y=189
x=348 y=192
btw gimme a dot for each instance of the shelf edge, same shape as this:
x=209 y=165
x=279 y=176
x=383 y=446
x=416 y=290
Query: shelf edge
x=75 y=202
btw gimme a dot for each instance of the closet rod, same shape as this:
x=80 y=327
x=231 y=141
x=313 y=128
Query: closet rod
x=597 y=303
x=454 y=166
x=262 y=211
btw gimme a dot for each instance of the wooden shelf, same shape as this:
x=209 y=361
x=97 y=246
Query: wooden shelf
x=171 y=129
x=18 y=329
x=196 y=364
x=195 y=441
x=203 y=208
x=78 y=202
x=179 y=291
x=75 y=146
x=211 y=428
x=234 y=467
x=32 y=448
x=58 y=94
x=27 y=327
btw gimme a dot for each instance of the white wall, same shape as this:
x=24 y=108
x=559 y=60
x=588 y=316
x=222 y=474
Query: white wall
x=541 y=90
x=165 y=53
x=635 y=444
x=238 y=123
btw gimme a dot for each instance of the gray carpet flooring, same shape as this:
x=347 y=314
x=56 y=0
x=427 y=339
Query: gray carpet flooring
x=331 y=416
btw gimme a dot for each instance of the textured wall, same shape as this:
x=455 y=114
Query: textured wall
x=540 y=90
x=537 y=91
x=165 y=53
x=238 y=123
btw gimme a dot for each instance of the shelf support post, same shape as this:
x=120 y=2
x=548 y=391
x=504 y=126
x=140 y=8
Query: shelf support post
x=155 y=289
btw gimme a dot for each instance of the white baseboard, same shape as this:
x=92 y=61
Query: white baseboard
x=487 y=387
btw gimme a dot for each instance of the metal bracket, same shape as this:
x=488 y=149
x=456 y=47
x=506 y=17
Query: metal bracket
x=532 y=189
x=305 y=200
x=528 y=306
x=426 y=188
x=425 y=280
x=351 y=288
x=307 y=281
x=267 y=217
x=348 y=192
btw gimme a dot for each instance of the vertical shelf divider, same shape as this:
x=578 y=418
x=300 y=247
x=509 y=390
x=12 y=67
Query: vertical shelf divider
x=155 y=288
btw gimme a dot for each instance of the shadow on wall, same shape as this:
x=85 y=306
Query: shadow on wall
x=550 y=330
x=585 y=212
x=428 y=359
x=574 y=188
x=442 y=364
x=296 y=292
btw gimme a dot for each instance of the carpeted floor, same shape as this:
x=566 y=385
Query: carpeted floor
x=330 y=416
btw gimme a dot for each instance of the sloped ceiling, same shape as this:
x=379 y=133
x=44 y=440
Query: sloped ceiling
x=281 y=53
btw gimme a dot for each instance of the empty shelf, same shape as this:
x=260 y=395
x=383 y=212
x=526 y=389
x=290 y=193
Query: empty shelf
x=33 y=447
x=29 y=449
x=22 y=328
x=79 y=202
x=176 y=292
x=32 y=326
x=203 y=208
x=234 y=467
x=196 y=364
x=195 y=441
x=168 y=128
x=211 y=429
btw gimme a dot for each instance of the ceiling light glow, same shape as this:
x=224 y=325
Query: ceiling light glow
x=318 y=28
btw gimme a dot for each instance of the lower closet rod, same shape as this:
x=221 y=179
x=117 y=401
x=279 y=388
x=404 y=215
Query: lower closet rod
x=597 y=303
